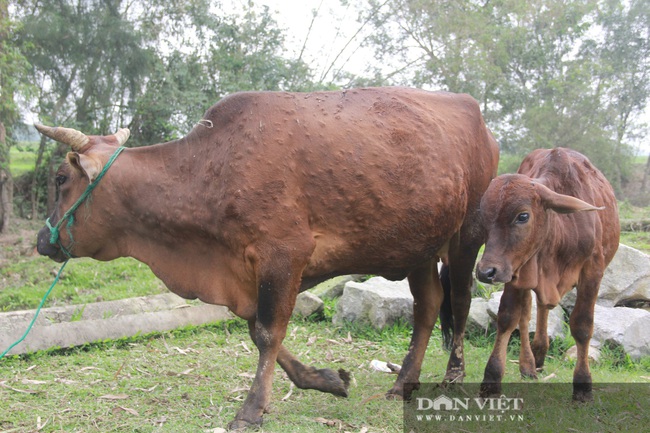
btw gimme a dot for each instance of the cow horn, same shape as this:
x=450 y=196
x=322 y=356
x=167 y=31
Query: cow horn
x=75 y=139
x=122 y=135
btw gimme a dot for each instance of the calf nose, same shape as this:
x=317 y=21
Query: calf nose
x=486 y=275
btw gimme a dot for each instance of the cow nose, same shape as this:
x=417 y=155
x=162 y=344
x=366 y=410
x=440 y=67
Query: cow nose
x=43 y=245
x=486 y=275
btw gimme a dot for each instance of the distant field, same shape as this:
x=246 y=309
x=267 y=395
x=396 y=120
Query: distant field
x=23 y=157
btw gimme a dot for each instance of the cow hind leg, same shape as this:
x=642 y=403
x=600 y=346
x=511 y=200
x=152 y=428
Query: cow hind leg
x=507 y=320
x=462 y=259
x=427 y=296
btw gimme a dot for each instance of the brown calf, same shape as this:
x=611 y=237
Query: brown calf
x=543 y=235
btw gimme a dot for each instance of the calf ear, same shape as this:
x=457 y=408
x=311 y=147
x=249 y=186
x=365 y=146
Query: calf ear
x=561 y=203
x=86 y=165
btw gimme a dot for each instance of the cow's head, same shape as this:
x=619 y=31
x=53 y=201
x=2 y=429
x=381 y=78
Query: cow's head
x=515 y=215
x=89 y=154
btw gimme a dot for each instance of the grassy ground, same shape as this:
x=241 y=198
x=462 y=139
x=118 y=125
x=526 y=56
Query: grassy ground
x=193 y=380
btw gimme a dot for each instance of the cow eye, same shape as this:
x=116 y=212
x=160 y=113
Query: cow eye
x=522 y=218
x=60 y=180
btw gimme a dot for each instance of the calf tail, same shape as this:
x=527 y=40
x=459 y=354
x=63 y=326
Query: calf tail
x=446 y=312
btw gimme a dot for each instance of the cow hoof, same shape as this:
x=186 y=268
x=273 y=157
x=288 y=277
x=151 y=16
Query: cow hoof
x=402 y=392
x=240 y=425
x=394 y=396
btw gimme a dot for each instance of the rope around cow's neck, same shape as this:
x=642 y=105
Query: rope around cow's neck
x=69 y=214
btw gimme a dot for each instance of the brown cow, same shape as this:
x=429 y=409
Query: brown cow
x=274 y=192
x=541 y=238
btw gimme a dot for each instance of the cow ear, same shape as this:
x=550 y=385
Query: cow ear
x=561 y=203
x=86 y=165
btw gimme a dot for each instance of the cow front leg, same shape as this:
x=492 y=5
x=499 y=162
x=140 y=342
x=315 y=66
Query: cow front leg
x=427 y=298
x=277 y=291
x=526 y=357
x=507 y=320
x=306 y=377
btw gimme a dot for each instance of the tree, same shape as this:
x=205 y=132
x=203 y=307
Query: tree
x=541 y=75
x=12 y=72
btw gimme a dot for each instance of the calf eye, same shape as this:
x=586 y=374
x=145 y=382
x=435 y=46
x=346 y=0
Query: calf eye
x=522 y=218
x=60 y=180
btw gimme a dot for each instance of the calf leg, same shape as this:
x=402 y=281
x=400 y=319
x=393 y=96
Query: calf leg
x=540 y=342
x=507 y=320
x=526 y=358
x=427 y=297
x=581 y=323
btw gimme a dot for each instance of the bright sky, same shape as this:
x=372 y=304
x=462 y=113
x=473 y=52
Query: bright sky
x=332 y=29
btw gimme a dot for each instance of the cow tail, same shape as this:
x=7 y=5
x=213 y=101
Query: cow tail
x=446 y=312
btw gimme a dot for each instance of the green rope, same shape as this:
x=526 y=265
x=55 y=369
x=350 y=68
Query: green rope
x=38 y=310
x=68 y=215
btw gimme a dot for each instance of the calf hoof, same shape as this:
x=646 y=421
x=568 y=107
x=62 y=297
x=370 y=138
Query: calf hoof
x=453 y=376
x=241 y=425
x=582 y=392
x=490 y=389
x=529 y=374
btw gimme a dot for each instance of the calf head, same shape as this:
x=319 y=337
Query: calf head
x=515 y=212
x=82 y=234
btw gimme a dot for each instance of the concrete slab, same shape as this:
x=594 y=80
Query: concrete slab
x=79 y=324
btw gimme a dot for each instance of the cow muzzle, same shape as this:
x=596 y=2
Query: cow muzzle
x=45 y=248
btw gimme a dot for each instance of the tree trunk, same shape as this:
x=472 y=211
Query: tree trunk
x=6 y=182
x=37 y=167
x=646 y=174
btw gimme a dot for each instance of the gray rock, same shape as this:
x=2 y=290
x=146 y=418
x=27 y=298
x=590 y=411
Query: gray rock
x=78 y=324
x=307 y=304
x=593 y=353
x=626 y=281
x=555 y=316
x=479 y=320
x=622 y=326
x=377 y=301
x=333 y=288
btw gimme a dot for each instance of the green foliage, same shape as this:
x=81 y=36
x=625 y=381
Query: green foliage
x=547 y=73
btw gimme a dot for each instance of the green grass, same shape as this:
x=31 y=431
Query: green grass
x=22 y=158
x=24 y=282
x=194 y=380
